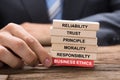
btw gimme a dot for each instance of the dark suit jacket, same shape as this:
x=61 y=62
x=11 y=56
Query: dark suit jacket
x=107 y=12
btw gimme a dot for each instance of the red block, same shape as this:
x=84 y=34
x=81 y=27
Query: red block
x=73 y=62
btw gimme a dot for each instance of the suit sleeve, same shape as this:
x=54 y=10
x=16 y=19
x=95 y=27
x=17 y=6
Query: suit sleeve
x=110 y=20
x=109 y=32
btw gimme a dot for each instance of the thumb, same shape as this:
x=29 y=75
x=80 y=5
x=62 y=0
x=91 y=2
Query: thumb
x=44 y=57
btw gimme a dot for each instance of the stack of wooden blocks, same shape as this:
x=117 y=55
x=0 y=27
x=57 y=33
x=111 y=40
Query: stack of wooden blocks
x=74 y=43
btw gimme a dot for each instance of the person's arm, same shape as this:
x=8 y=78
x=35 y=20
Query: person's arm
x=109 y=32
x=107 y=20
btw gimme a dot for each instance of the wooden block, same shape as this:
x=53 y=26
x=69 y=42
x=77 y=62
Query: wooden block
x=74 y=48
x=73 y=40
x=78 y=25
x=72 y=62
x=75 y=33
x=73 y=55
x=3 y=77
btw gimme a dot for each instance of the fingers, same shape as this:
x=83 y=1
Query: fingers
x=44 y=57
x=8 y=58
x=18 y=31
x=19 y=47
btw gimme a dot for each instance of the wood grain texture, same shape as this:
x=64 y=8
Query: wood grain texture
x=3 y=77
x=73 y=40
x=107 y=67
x=73 y=55
x=73 y=33
x=74 y=48
x=76 y=25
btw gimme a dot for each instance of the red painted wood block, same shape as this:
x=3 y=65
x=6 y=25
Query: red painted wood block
x=73 y=62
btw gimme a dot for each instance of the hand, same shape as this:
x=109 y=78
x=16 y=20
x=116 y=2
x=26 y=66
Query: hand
x=40 y=31
x=18 y=47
